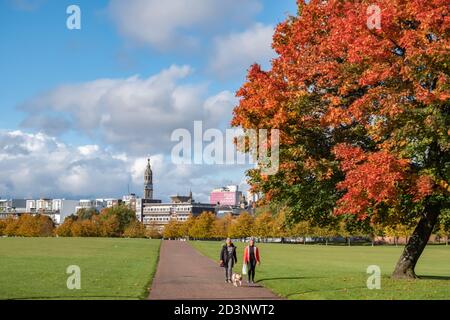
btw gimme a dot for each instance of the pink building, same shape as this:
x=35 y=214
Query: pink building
x=229 y=196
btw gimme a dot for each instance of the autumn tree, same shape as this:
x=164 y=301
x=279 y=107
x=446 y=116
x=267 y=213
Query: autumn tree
x=264 y=225
x=34 y=226
x=444 y=225
x=362 y=112
x=2 y=227
x=65 y=229
x=280 y=225
x=109 y=224
x=11 y=227
x=398 y=231
x=86 y=213
x=302 y=229
x=221 y=228
x=152 y=231
x=123 y=214
x=135 y=229
x=326 y=232
x=242 y=226
x=173 y=230
x=203 y=226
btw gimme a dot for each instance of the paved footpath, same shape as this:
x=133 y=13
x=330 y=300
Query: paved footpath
x=183 y=273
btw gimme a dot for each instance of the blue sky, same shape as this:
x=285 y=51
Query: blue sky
x=120 y=40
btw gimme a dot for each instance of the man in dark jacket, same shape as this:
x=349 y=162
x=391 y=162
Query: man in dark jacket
x=228 y=258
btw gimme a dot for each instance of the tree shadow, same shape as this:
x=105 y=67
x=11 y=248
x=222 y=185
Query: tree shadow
x=434 y=277
x=326 y=290
x=288 y=278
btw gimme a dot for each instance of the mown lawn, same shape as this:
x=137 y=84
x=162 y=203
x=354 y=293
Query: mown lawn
x=35 y=268
x=297 y=271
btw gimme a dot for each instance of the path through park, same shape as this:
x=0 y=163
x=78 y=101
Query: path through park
x=183 y=273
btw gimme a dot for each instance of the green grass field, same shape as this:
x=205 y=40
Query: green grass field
x=35 y=268
x=339 y=272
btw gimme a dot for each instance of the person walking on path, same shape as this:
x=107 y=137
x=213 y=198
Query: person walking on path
x=228 y=258
x=251 y=258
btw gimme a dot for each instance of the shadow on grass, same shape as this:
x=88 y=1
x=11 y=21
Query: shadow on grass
x=434 y=277
x=327 y=290
x=288 y=278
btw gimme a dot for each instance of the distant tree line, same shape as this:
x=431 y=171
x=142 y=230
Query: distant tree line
x=120 y=221
x=266 y=224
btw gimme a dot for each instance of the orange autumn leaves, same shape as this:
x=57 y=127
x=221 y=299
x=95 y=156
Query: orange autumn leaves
x=375 y=178
x=364 y=101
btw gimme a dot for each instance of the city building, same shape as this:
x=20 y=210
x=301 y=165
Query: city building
x=112 y=202
x=155 y=213
x=180 y=208
x=222 y=211
x=56 y=209
x=96 y=204
x=62 y=208
x=227 y=196
x=136 y=204
x=12 y=207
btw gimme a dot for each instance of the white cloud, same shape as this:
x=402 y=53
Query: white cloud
x=235 y=52
x=37 y=165
x=134 y=115
x=88 y=150
x=178 y=23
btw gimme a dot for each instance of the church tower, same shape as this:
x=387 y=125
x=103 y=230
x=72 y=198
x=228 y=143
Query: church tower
x=148 y=182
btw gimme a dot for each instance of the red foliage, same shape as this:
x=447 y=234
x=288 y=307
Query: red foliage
x=371 y=179
x=381 y=80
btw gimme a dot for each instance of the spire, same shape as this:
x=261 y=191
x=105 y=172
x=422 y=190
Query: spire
x=148 y=181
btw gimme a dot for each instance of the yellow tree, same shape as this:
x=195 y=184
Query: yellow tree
x=65 y=229
x=344 y=232
x=202 y=227
x=242 y=227
x=302 y=229
x=134 y=230
x=2 y=227
x=11 y=227
x=186 y=226
x=325 y=232
x=152 y=231
x=109 y=225
x=172 y=230
x=279 y=225
x=222 y=226
x=398 y=231
x=264 y=225
x=34 y=226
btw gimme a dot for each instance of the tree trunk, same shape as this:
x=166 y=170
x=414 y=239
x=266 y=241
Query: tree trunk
x=349 y=241
x=326 y=241
x=416 y=244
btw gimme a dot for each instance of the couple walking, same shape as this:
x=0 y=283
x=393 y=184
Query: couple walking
x=228 y=258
